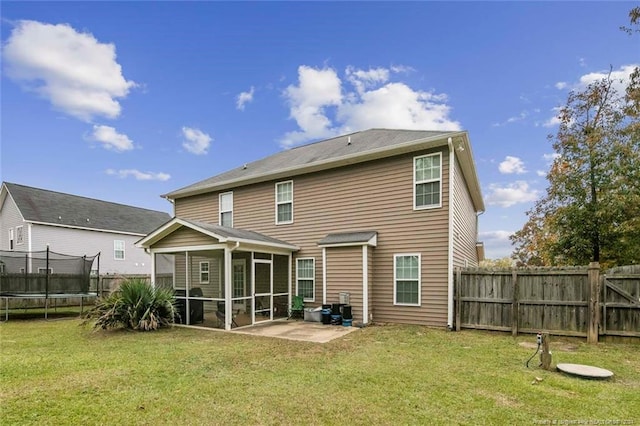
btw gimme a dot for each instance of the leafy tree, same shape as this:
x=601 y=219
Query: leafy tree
x=592 y=208
x=502 y=263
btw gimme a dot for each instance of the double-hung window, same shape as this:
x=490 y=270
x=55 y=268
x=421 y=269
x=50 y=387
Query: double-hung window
x=226 y=209
x=118 y=250
x=19 y=235
x=204 y=272
x=284 y=202
x=305 y=278
x=427 y=181
x=406 y=279
x=11 y=239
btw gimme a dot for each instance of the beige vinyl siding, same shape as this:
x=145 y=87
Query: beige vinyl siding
x=185 y=237
x=465 y=234
x=377 y=196
x=344 y=274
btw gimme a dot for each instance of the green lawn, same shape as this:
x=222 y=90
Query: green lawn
x=57 y=372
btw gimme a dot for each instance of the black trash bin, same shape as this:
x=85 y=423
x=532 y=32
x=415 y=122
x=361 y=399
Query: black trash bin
x=326 y=314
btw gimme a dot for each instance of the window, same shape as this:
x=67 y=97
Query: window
x=204 y=272
x=427 y=181
x=284 y=202
x=226 y=209
x=305 y=274
x=118 y=250
x=11 y=239
x=44 y=271
x=19 y=235
x=406 y=279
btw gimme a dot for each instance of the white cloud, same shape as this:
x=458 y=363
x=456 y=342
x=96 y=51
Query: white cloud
x=555 y=120
x=620 y=77
x=244 y=98
x=512 y=165
x=401 y=69
x=541 y=173
x=550 y=158
x=496 y=243
x=511 y=194
x=72 y=70
x=196 y=141
x=321 y=109
x=111 y=139
x=138 y=175
x=515 y=118
x=561 y=85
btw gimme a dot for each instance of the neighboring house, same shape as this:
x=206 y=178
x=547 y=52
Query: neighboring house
x=383 y=215
x=32 y=219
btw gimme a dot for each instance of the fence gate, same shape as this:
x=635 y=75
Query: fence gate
x=621 y=302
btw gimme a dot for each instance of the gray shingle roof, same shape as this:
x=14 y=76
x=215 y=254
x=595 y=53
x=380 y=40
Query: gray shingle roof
x=347 y=238
x=235 y=234
x=301 y=157
x=56 y=208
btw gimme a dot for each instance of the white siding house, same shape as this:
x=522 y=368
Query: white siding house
x=32 y=219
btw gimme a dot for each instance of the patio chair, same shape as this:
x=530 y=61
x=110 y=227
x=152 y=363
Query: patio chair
x=220 y=314
x=297 y=307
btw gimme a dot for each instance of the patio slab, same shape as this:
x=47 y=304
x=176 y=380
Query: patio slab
x=298 y=330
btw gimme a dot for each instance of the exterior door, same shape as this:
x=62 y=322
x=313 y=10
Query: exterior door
x=262 y=290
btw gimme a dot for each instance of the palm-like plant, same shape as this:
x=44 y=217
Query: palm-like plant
x=135 y=305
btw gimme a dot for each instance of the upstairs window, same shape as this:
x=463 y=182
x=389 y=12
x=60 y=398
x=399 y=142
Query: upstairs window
x=19 y=235
x=427 y=181
x=284 y=202
x=305 y=274
x=11 y=241
x=118 y=250
x=226 y=209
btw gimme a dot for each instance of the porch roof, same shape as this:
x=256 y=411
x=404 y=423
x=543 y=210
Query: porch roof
x=350 y=239
x=222 y=233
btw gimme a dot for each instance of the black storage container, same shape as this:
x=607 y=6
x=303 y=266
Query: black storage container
x=326 y=314
x=346 y=312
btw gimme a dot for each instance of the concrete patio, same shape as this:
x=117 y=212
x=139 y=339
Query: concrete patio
x=297 y=330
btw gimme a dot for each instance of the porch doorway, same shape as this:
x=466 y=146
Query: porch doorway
x=262 y=289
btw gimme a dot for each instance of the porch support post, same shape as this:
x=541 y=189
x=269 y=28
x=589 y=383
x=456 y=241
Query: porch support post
x=153 y=269
x=365 y=284
x=187 y=286
x=324 y=275
x=290 y=296
x=228 y=314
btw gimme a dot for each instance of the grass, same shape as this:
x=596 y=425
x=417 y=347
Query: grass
x=57 y=372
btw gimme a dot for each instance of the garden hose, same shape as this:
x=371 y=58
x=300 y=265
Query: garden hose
x=534 y=354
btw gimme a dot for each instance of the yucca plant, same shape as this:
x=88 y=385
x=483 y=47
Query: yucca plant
x=135 y=305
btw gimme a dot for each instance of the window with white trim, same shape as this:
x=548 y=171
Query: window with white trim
x=11 y=241
x=305 y=278
x=284 y=202
x=19 y=235
x=44 y=270
x=204 y=272
x=226 y=209
x=118 y=249
x=427 y=181
x=406 y=279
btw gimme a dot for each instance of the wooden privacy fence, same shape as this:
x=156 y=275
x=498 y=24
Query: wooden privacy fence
x=563 y=301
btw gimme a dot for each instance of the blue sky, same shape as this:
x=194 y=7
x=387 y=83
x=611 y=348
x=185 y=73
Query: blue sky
x=125 y=101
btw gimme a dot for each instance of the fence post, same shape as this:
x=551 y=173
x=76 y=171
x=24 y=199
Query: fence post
x=515 y=305
x=594 y=302
x=458 y=289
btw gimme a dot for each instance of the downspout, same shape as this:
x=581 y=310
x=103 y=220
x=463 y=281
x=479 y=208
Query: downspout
x=452 y=158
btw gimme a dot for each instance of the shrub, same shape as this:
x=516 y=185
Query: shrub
x=135 y=305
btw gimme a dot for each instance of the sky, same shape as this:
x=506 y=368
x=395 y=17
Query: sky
x=126 y=101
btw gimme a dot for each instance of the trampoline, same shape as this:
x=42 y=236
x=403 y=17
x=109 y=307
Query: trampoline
x=46 y=275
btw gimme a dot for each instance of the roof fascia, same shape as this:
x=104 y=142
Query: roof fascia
x=84 y=228
x=465 y=157
x=407 y=147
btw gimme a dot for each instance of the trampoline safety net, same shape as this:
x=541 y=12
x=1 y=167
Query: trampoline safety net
x=44 y=272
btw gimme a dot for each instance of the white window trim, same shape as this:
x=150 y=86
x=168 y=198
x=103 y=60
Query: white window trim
x=19 y=235
x=284 y=202
x=313 y=287
x=220 y=211
x=12 y=241
x=395 y=279
x=208 y=272
x=124 y=252
x=415 y=182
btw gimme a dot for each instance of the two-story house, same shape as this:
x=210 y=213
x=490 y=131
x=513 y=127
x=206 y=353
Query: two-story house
x=32 y=219
x=381 y=215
